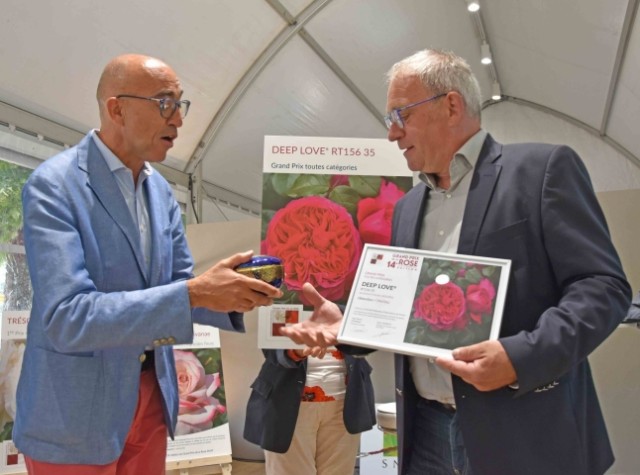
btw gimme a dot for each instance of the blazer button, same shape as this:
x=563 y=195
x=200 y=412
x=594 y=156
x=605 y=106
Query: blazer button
x=399 y=391
x=142 y=357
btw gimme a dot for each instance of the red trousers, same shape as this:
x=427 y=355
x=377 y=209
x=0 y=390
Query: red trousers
x=145 y=449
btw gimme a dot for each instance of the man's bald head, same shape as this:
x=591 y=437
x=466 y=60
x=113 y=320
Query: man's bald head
x=132 y=94
x=123 y=73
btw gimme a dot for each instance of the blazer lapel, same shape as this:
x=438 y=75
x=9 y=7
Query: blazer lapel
x=411 y=219
x=157 y=220
x=485 y=176
x=100 y=179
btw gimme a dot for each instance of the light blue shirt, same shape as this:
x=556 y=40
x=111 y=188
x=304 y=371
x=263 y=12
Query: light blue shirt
x=440 y=232
x=134 y=196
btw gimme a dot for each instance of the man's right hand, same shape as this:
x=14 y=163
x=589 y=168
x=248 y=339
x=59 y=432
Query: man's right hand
x=223 y=289
x=321 y=330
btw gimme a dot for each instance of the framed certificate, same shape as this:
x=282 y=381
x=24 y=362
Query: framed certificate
x=424 y=303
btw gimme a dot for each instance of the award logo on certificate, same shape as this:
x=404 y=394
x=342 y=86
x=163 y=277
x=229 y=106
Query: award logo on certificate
x=424 y=303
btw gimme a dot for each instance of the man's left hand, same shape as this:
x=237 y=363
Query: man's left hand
x=321 y=329
x=484 y=365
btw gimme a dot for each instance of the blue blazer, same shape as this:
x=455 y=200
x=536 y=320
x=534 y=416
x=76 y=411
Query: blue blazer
x=272 y=410
x=533 y=204
x=95 y=308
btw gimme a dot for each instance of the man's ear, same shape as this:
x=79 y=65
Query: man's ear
x=115 y=111
x=456 y=107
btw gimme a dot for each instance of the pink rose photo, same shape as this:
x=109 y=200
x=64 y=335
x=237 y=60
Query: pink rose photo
x=202 y=403
x=318 y=224
x=454 y=304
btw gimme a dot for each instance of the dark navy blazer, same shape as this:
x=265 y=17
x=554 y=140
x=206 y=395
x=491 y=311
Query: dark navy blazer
x=533 y=204
x=276 y=394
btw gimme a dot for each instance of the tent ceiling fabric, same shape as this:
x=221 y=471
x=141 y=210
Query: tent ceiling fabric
x=296 y=67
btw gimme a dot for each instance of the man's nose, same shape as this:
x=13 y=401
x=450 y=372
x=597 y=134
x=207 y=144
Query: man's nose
x=175 y=119
x=394 y=133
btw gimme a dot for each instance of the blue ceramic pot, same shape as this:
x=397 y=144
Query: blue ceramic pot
x=266 y=268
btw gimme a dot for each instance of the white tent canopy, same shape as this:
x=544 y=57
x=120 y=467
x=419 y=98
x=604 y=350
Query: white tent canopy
x=316 y=68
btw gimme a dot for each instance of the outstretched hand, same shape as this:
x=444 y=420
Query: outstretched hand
x=484 y=365
x=316 y=352
x=321 y=330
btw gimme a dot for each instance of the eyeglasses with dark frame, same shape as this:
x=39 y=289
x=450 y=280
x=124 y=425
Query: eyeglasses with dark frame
x=167 y=105
x=394 y=117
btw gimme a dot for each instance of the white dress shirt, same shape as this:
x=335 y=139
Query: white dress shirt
x=440 y=232
x=134 y=196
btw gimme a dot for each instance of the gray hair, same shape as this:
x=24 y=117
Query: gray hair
x=441 y=72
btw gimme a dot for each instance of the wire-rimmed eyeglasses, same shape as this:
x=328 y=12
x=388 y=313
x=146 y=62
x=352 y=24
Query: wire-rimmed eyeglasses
x=395 y=116
x=167 y=105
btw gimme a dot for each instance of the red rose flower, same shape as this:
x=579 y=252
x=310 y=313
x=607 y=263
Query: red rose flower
x=480 y=299
x=375 y=214
x=318 y=243
x=441 y=306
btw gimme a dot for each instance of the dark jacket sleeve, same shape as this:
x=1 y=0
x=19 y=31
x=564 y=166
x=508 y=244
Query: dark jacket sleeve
x=274 y=403
x=359 y=404
x=633 y=316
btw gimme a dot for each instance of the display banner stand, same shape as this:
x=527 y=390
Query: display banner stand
x=202 y=442
x=204 y=466
x=12 y=344
x=322 y=199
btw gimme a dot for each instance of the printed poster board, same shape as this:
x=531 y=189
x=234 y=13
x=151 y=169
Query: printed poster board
x=322 y=199
x=12 y=344
x=202 y=431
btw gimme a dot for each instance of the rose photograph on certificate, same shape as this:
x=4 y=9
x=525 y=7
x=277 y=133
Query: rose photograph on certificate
x=454 y=304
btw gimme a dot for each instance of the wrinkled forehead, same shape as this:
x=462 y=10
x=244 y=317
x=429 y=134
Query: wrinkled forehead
x=404 y=89
x=155 y=78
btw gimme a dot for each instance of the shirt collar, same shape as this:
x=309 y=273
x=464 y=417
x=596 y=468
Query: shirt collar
x=464 y=160
x=113 y=162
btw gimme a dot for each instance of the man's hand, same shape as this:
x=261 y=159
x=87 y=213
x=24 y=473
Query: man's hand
x=316 y=352
x=223 y=289
x=322 y=328
x=485 y=365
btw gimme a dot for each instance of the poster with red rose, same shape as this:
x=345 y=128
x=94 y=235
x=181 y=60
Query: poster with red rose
x=424 y=303
x=202 y=431
x=323 y=198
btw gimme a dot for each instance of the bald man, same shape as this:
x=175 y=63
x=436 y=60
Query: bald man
x=113 y=287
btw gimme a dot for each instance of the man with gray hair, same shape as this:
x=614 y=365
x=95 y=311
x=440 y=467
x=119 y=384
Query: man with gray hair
x=525 y=403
